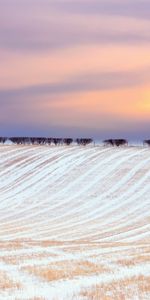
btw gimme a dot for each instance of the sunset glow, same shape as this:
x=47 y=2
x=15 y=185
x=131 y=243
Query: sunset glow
x=74 y=68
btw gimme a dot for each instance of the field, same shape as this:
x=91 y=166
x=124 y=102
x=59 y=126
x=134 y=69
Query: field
x=74 y=223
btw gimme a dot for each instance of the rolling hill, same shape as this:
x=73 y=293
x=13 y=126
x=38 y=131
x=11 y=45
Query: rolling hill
x=74 y=222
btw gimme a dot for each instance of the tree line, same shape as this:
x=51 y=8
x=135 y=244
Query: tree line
x=46 y=141
x=65 y=141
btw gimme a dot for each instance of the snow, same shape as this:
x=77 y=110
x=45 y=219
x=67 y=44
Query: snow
x=71 y=205
x=8 y=142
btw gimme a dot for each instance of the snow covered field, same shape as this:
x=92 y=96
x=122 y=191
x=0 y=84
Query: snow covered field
x=74 y=223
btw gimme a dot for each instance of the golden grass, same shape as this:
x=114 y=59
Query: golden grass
x=66 y=270
x=49 y=243
x=7 y=283
x=6 y=245
x=36 y=298
x=12 y=260
x=28 y=244
x=119 y=290
x=133 y=260
x=17 y=260
x=69 y=269
x=69 y=245
x=82 y=245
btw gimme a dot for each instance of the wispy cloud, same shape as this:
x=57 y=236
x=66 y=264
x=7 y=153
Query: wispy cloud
x=76 y=64
x=83 y=83
x=135 y=8
x=31 y=26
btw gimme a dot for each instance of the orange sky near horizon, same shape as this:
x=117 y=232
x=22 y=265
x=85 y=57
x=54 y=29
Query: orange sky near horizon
x=78 y=69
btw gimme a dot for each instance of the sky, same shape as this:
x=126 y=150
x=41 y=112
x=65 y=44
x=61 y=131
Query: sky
x=75 y=68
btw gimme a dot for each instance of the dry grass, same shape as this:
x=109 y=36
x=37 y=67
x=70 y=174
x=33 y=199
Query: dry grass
x=67 y=246
x=10 y=260
x=83 y=245
x=18 y=260
x=25 y=242
x=36 y=298
x=7 y=283
x=49 y=243
x=11 y=245
x=119 y=290
x=133 y=260
x=66 y=270
x=95 y=264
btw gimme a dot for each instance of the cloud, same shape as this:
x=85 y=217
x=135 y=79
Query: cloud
x=81 y=48
x=82 y=83
x=135 y=8
x=31 y=26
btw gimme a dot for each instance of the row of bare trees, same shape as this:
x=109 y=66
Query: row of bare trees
x=121 y=142
x=65 y=141
x=46 y=141
x=115 y=142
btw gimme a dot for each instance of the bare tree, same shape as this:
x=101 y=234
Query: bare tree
x=115 y=142
x=146 y=142
x=3 y=140
x=84 y=141
x=67 y=141
x=49 y=141
x=108 y=142
x=57 y=141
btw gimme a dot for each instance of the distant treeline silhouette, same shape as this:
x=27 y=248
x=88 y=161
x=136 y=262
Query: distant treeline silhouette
x=146 y=142
x=115 y=142
x=64 y=141
x=44 y=141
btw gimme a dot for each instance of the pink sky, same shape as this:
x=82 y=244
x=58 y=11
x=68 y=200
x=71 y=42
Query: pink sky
x=75 y=67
